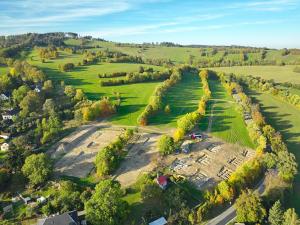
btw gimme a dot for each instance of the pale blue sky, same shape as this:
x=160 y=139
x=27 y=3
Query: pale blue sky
x=270 y=23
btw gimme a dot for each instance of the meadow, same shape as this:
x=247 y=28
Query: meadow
x=134 y=96
x=286 y=119
x=278 y=73
x=182 y=98
x=226 y=122
x=182 y=54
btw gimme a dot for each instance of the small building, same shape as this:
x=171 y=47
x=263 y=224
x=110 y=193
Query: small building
x=4 y=97
x=68 y=218
x=162 y=181
x=37 y=89
x=8 y=115
x=5 y=135
x=4 y=147
x=160 y=221
x=41 y=199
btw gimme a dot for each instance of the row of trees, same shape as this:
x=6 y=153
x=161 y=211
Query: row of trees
x=268 y=86
x=251 y=171
x=48 y=53
x=131 y=78
x=156 y=100
x=109 y=158
x=189 y=120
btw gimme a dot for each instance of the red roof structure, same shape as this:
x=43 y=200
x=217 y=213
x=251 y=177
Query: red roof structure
x=162 y=181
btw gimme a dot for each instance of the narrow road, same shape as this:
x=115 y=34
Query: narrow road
x=229 y=214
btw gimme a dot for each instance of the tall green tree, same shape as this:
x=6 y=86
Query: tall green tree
x=249 y=207
x=106 y=206
x=290 y=217
x=37 y=168
x=166 y=145
x=276 y=214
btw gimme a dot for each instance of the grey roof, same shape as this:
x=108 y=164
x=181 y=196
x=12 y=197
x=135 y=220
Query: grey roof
x=69 y=218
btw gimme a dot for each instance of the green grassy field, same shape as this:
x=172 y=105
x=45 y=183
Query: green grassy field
x=134 y=96
x=182 y=54
x=227 y=122
x=278 y=73
x=286 y=119
x=182 y=98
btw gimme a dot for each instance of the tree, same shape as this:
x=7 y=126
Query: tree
x=287 y=165
x=32 y=102
x=152 y=194
x=106 y=206
x=167 y=109
x=49 y=107
x=79 y=96
x=20 y=93
x=166 y=145
x=249 y=207
x=178 y=134
x=37 y=168
x=290 y=217
x=70 y=91
x=225 y=190
x=276 y=214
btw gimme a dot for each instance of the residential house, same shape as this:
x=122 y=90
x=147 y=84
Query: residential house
x=8 y=115
x=68 y=218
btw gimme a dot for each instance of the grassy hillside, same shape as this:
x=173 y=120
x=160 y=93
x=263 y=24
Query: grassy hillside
x=134 y=96
x=226 y=122
x=278 y=73
x=182 y=98
x=286 y=119
x=182 y=54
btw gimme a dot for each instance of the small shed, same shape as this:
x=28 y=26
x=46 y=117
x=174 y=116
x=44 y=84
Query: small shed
x=162 y=181
x=160 y=221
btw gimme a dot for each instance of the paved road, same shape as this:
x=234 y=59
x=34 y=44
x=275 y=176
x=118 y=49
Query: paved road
x=230 y=213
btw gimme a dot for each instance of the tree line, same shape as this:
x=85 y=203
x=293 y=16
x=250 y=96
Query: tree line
x=137 y=77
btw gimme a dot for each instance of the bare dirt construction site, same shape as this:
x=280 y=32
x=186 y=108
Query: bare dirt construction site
x=141 y=158
x=209 y=161
x=75 y=154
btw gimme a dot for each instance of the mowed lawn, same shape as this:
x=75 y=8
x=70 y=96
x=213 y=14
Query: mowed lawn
x=182 y=98
x=286 y=119
x=278 y=73
x=134 y=96
x=227 y=123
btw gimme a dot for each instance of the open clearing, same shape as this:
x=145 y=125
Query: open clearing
x=182 y=98
x=222 y=119
x=75 y=154
x=278 y=73
x=286 y=119
x=134 y=96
